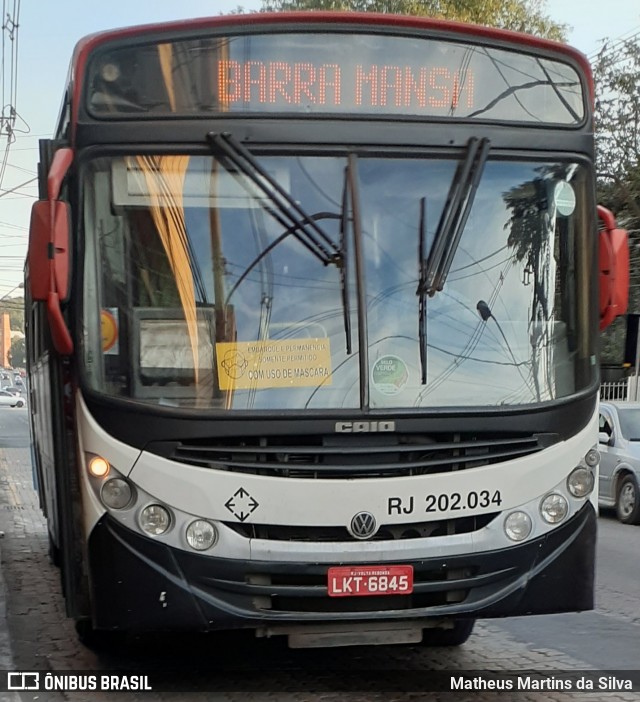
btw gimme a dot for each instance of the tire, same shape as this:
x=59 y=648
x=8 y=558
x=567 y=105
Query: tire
x=628 y=501
x=20 y=403
x=54 y=553
x=461 y=631
x=98 y=639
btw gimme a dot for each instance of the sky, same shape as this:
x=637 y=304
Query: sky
x=47 y=31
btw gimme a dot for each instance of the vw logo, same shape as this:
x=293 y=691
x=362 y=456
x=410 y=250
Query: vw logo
x=363 y=525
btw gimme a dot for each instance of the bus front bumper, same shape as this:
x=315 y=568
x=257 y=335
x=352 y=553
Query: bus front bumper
x=139 y=584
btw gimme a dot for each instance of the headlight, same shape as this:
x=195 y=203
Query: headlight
x=580 y=482
x=517 y=526
x=201 y=535
x=554 y=508
x=592 y=458
x=116 y=493
x=155 y=520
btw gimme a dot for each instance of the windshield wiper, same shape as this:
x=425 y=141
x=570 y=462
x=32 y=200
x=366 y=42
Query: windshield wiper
x=454 y=216
x=351 y=186
x=344 y=269
x=296 y=221
x=267 y=249
x=422 y=292
x=287 y=211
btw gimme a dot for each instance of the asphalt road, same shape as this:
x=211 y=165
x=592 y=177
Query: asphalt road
x=609 y=636
x=14 y=427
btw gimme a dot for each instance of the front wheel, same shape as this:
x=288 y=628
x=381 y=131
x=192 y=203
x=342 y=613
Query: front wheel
x=628 y=501
x=54 y=552
x=98 y=639
x=20 y=403
x=456 y=636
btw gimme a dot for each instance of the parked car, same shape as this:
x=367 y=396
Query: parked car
x=9 y=400
x=619 y=445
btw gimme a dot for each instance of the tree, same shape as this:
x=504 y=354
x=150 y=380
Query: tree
x=617 y=81
x=17 y=354
x=518 y=15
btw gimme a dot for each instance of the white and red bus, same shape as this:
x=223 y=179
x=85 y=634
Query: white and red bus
x=313 y=311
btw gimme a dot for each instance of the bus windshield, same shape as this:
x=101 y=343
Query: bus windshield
x=199 y=292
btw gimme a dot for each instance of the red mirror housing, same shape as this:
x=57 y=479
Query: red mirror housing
x=613 y=269
x=37 y=253
x=48 y=254
x=48 y=257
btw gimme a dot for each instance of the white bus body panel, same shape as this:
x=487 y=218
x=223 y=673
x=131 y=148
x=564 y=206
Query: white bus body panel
x=207 y=493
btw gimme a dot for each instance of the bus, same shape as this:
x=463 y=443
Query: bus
x=313 y=303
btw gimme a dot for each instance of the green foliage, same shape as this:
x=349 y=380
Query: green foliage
x=617 y=81
x=617 y=78
x=518 y=15
x=17 y=353
x=612 y=342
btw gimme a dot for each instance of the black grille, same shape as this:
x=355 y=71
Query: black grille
x=434 y=585
x=353 y=455
x=389 y=532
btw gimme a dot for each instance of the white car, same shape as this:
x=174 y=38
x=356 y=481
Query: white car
x=619 y=444
x=9 y=400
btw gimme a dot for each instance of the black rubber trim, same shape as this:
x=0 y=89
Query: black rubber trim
x=140 y=584
x=137 y=426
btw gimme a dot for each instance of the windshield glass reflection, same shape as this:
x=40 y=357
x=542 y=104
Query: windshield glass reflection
x=200 y=291
x=630 y=423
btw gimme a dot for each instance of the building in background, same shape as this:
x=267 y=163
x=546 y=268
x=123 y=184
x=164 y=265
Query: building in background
x=5 y=339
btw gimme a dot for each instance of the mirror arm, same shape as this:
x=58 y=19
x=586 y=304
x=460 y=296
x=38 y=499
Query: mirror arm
x=607 y=217
x=62 y=160
x=59 y=331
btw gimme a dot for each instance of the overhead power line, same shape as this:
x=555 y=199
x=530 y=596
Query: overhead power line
x=17 y=187
x=9 y=77
x=615 y=44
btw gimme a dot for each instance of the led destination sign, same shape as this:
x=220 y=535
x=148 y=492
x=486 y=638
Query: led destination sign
x=332 y=73
x=303 y=84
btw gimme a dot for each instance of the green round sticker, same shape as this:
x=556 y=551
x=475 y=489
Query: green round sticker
x=389 y=375
x=565 y=198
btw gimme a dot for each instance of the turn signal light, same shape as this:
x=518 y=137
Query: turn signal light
x=99 y=467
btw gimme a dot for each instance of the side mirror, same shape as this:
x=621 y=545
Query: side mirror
x=613 y=268
x=49 y=253
x=604 y=438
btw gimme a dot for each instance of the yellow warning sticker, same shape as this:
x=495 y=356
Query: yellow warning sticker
x=109 y=329
x=274 y=364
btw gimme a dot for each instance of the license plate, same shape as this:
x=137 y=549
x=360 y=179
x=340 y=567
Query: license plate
x=354 y=581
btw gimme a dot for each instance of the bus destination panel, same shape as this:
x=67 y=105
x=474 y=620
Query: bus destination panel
x=349 y=74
